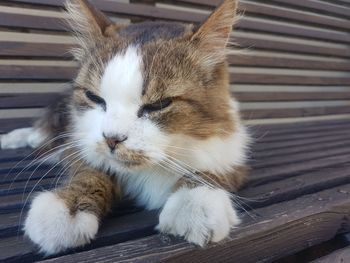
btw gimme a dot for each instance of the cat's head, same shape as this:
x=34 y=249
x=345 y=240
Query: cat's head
x=151 y=93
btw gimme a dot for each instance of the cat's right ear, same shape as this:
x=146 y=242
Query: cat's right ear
x=89 y=25
x=213 y=35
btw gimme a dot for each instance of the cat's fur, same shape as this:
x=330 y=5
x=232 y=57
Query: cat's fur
x=181 y=154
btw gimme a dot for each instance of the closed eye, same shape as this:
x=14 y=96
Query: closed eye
x=157 y=106
x=96 y=99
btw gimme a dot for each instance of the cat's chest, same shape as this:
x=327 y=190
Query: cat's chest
x=149 y=188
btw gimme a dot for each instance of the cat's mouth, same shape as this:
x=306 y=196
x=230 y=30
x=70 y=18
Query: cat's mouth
x=127 y=160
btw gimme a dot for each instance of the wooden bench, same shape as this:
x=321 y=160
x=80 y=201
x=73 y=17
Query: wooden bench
x=293 y=82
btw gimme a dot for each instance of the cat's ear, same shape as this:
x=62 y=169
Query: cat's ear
x=213 y=35
x=89 y=25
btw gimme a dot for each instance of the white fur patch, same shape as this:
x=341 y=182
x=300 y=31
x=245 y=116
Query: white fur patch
x=150 y=187
x=50 y=225
x=22 y=138
x=200 y=215
x=215 y=155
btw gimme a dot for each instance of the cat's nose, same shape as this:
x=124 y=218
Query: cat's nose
x=112 y=141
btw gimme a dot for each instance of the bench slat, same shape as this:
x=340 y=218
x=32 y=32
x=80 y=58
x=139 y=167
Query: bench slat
x=338 y=256
x=33 y=100
x=325 y=211
x=246 y=23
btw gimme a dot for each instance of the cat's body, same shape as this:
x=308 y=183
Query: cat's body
x=150 y=117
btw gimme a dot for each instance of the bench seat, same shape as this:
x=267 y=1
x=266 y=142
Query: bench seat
x=295 y=68
x=297 y=196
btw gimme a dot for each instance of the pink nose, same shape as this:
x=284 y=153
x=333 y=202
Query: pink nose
x=112 y=141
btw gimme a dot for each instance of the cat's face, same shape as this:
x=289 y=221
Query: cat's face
x=144 y=98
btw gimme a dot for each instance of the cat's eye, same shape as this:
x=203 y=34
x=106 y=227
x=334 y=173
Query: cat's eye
x=96 y=99
x=157 y=106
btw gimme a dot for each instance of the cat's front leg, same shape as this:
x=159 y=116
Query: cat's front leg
x=69 y=217
x=199 y=214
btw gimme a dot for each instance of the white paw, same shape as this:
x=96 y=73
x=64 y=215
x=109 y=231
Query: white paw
x=50 y=225
x=201 y=215
x=23 y=137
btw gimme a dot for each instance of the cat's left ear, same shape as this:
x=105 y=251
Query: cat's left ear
x=213 y=35
x=88 y=24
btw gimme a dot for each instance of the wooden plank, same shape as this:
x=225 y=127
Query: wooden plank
x=290 y=29
x=19 y=48
x=300 y=134
x=276 y=43
x=25 y=72
x=323 y=7
x=28 y=186
x=291 y=112
x=276 y=11
x=27 y=175
x=326 y=143
x=272 y=60
x=306 y=221
x=139 y=10
x=301 y=157
x=14 y=154
x=26 y=166
x=280 y=78
x=26 y=100
x=311 y=126
x=7 y=125
x=270 y=174
x=288 y=189
x=338 y=256
x=289 y=96
x=32 y=21
x=280 y=12
x=273 y=146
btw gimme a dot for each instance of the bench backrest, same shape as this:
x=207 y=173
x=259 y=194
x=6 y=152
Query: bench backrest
x=296 y=65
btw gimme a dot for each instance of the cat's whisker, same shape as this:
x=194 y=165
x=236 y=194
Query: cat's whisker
x=193 y=169
x=63 y=169
x=76 y=159
x=185 y=172
x=71 y=145
x=37 y=151
x=76 y=171
x=35 y=161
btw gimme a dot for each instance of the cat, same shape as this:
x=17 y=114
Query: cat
x=149 y=116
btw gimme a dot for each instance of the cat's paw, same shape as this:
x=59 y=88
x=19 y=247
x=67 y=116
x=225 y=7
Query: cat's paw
x=23 y=137
x=53 y=228
x=200 y=215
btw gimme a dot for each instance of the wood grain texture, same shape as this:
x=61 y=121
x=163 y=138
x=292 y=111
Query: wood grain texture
x=7 y=125
x=246 y=23
x=290 y=96
x=299 y=187
x=338 y=256
x=288 y=180
x=293 y=112
x=266 y=234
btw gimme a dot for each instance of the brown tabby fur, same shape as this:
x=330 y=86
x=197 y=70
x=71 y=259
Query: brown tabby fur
x=201 y=111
